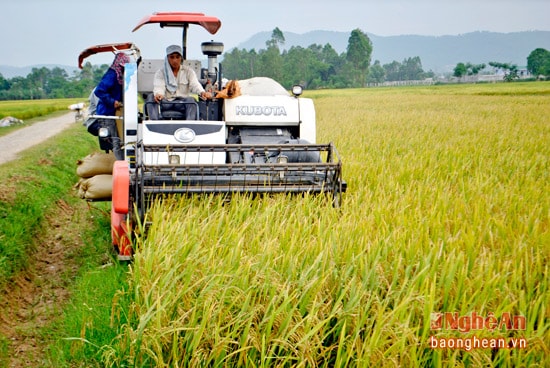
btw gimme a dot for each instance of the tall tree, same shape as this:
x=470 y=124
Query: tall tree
x=296 y=68
x=277 y=38
x=411 y=69
x=4 y=83
x=271 y=59
x=460 y=70
x=538 y=62
x=38 y=81
x=377 y=74
x=57 y=85
x=393 y=71
x=358 y=54
x=240 y=64
x=234 y=64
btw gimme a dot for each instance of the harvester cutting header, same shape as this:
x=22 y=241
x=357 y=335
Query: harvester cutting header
x=247 y=136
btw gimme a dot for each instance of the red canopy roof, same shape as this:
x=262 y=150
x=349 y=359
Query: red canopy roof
x=180 y=19
x=109 y=47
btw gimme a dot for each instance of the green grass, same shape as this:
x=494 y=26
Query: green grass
x=30 y=188
x=87 y=324
x=447 y=210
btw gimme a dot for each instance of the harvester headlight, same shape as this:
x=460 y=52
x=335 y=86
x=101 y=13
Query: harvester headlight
x=297 y=90
x=174 y=159
x=184 y=135
x=103 y=132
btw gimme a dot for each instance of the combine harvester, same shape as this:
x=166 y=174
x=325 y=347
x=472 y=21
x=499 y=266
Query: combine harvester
x=261 y=141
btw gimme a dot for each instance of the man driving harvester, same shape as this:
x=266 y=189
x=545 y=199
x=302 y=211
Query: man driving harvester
x=173 y=83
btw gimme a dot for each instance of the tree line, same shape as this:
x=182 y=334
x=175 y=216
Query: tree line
x=44 y=83
x=319 y=66
x=538 y=64
x=314 y=67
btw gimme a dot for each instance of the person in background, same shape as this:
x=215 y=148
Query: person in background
x=92 y=108
x=175 y=81
x=109 y=90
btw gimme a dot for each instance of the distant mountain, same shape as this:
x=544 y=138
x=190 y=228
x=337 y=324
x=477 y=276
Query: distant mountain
x=9 y=72
x=437 y=53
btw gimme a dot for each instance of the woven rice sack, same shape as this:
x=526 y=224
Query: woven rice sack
x=99 y=187
x=97 y=163
x=78 y=187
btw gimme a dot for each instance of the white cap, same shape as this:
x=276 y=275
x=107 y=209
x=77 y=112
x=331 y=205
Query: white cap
x=174 y=48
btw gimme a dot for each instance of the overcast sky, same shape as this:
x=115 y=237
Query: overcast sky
x=56 y=31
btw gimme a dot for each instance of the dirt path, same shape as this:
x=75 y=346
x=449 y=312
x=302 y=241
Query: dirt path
x=14 y=143
x=36 y=297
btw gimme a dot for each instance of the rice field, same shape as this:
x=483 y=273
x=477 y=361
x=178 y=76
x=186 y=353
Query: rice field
x=438 y=255
x=30 y=110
